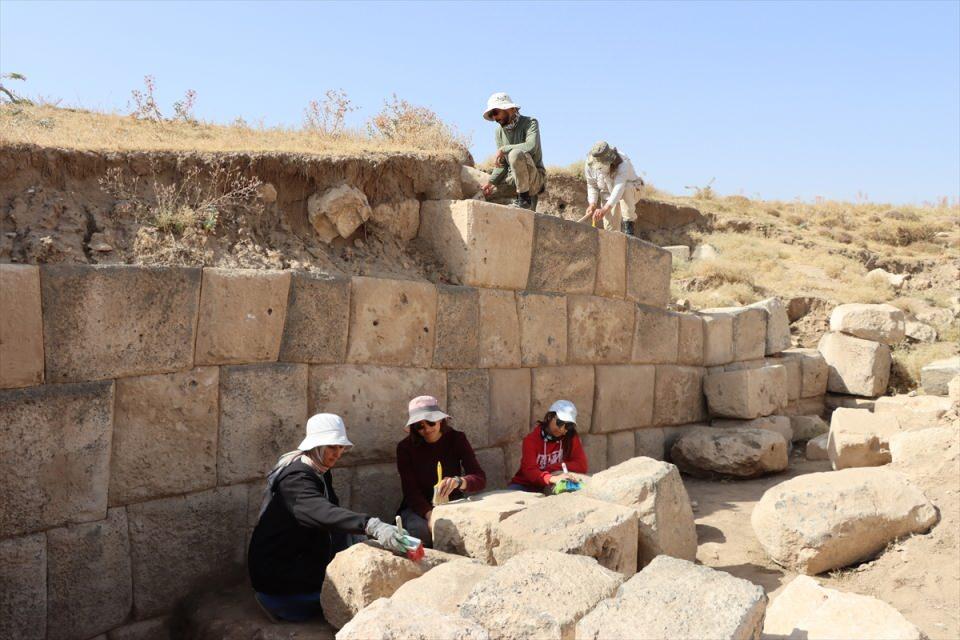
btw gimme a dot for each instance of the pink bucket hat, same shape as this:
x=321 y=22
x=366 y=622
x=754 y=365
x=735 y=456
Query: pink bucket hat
x=424 y=408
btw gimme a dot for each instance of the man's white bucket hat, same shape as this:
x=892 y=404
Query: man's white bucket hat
x=325 y=429
x=498 y=101
x=565 y=411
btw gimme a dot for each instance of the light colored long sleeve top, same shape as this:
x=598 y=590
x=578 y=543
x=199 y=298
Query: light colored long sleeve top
x=600 y=182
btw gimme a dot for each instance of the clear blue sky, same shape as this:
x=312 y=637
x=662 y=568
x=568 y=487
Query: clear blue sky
x=775 y=99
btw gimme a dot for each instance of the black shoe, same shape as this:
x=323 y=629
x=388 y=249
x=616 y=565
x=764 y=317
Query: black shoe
x=626 y=226
x=523 y=201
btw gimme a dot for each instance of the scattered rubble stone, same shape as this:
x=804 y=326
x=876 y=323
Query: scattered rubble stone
x=857 y=366
x=817 y=448
x=935 y=377
x=913 y=412
x=920 y=332
x=337 y=211
x=878 y=322
x=860 y=438
x=737 y=452
x=808 y=427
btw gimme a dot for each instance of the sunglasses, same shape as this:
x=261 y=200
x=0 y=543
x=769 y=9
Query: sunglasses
x=494 y=113
x=420 y=425
x=566 y=425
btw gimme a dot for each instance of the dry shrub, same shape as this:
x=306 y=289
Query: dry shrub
x=903 y=234
x=909 y=359
x=710 y=274
x=328 y=116
x=402 y=122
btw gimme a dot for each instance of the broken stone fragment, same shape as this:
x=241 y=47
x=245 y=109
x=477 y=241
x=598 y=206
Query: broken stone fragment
x=338 y=211
x=856 y=366
x=861 y=438
x=936 y=376
x=736 y=452
x=388 y=620
x=817 y=448
x=878 y=322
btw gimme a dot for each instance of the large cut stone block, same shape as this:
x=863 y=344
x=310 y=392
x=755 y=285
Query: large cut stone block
x=733 y=452
x=23 y=587
x=443 y=588
x=624 y=397
x=543 y=329
x=21 y=326
x=372 y=401
x=470 y=527
x=458 y=328
x=54 y=455
x=315 y=329
x=822 y=521
x=808 y=427
x=648 y=273
x=509 y=405
x=749 y=330
x=649 y=443
x=549 y=593
x=678 y=395
x=376 y=490
x=675 y=599
x=263 y=410
x=690 y=345
x=499 y=329
x=936 y=376
x=468 y=401
x=88 y=577
x=747 y=393
x=564 y=256
x=621 y=446
x=600 y=330
x=595 y=448
x=861 y=438
x=575 y=524
x=856 y=366
x=493 y=462
x=794 y=376
x=878 y=322
x=392 y=322
x=573 y=383
x=153 y=629
x=656 y=336
x=385 y=618
x=717 y=339
x=778 y=324
x=184 y=543
x=112 y=321
x=656 y=492
x=813 y=371
x=914 y=412
x=482 y=244
x=611 y=264
x=778 y=424
x=165 y=435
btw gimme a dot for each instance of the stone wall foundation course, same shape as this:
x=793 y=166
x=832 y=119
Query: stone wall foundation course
x=21 y=326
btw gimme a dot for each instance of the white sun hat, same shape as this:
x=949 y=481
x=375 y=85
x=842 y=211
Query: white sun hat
x=498 y=101
x=565 y=410
x=325 y=429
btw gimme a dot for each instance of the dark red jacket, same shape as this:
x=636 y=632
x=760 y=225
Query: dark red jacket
x=540 y=459
x=417 y=464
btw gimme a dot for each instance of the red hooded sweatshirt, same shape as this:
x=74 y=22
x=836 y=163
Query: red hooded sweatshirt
x=541 y=459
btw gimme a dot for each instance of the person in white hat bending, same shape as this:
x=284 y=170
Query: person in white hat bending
x=519 y=161
x=552 y=451
x=610 y=175
x=302 y=525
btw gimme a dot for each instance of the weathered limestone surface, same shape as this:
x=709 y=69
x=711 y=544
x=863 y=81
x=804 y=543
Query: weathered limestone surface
x=861 y=438
x=813 y=371
x=808 y=427
x=181 y=543
x=153 y=629
x=747 y=393
x=600 y=330
x=543 y=329
x=263 y=411
x=648 y=273
x=817 y=448
x=337 y=211
x=392 y=322
x=878 y=322
x=680 y=252
x=470 y=527
x=794 y=376
x=573 y=383
x=564 y=256
x=738 y=452
x=385 y=497
x=675 y=599
x=242 y=312
x=89 y=584
x=804 y=609
x=443 y=588
x=822 y=521
x=575 y=524
x=493 y=463
x=499 y=329
x=936 y=376
x=509 y=405
x=55 y=455
x=595 y=447
x=482 y=244
x=690 y=346
x=748 y=330
x=624 y=397
x=920 y=331
x=164 y=435
x=856 y=366
x=678 y=395
x=778 y=324
x=717 y=338
x=611 y=264
x=548 y=593
x=656 y=337
x=914 y=412
x=656 y=492
x=112 y=321
x=399 y=218
x=458 y=327
x=387 y=619
x=649 y=443
x=315 y=329
x=777 y=424
x=620 y=447
x=369 y=399
x=21 y=326
x=23 y=587
x=468 y=401
x=834 y=401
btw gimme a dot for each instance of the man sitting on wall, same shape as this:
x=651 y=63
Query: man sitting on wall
x=519 y=160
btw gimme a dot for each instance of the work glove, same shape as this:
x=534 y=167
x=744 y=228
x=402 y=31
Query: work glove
x=386 y=534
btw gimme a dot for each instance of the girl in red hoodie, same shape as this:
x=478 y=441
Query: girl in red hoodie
x=552 y=444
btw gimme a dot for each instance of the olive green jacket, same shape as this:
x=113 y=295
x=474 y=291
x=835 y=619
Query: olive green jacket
x=525 y=137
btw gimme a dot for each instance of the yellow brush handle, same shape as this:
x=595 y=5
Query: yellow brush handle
x=439 y=473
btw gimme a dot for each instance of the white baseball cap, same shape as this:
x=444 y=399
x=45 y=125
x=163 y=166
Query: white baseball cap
x=498 y=101
x=325 y=429
x=565 y=410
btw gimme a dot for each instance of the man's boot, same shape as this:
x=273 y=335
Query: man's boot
x=523 y=201
x=626 y=226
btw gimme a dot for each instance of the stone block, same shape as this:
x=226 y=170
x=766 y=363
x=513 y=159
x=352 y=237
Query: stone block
x=624 y=397
x=549 y=593
x=512 y=455
x=573 y=383
x=778 y=424
x=817 y=448
x=778 y=324
x=648 y=273
x=23 y=587
x=509 y=405
x=317 y=321
x=690 y=344
x=165 y=435
x=493 y=463
x=543 y=329
x=821 y=521
x=399 y=218
x=621 y=446
x=481 y=244
x=468 y=401
x=733 y=452
x=372 y=401
x=834 y=401
x=936 y=376
x=680 y=252
x=717 y=339
x=153 y=629
x=112 y=321
x=184 y=543
x=656 y=336
x=747 y=393
x=574 y=524
x=55 y=455
x=856 y=366
x=443 y=588
x=672 y=434
x=337 y=211
x=920 y=331
x=595 y=448
x=600 y=330
x=392 y=322
x=649 y=443
x=813 y=371
x=385 y=618
x=861 y=438
x=794 y=376
x=564 y=256
x=21 y=326
x=376 y=490
x=655 y=491
x=89 y=588
x=877 y=322
x=263 y=412
x=680 y=600
x=749 y=331
x=611 y=264
x=914 y=412
x=678 y=395
x=471 y=527
x=808 y=427
x=458 y=328
x=499 y=329
x=810 y=406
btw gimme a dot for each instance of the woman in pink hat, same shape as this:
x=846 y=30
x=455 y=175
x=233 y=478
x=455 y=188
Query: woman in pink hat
x=432 y=440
